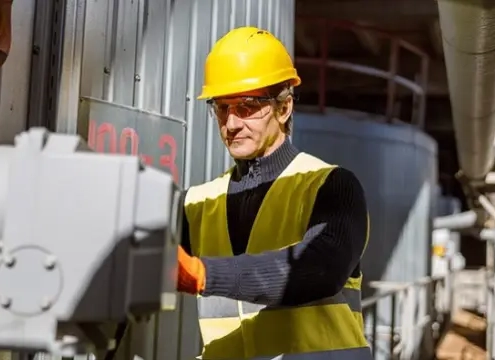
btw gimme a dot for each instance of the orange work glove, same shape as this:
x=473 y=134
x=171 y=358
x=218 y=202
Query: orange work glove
x=191 y=273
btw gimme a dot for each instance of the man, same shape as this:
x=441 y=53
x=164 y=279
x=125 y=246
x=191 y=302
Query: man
x=272 y=247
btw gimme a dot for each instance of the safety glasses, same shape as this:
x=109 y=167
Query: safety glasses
x=246 y=107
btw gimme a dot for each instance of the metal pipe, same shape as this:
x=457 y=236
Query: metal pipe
x=487 y=205
x=423 y=81
x=392 y=85
x=464 y=220
x=393 y=305
x=487 y=235
x=468 y=31
x=414 y=49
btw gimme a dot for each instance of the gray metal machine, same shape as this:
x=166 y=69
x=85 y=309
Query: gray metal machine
x=86 y=240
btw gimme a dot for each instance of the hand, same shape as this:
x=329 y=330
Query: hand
x=191 y=273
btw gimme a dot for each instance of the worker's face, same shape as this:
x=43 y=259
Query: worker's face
x=251 y=124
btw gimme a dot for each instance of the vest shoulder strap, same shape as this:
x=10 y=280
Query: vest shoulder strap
x=211 y=189
x=302 y=163
x=305 y=162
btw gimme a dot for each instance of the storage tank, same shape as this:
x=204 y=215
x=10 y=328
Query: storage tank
x=397 y=165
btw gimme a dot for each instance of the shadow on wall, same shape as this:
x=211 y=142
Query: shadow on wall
x=397 y=165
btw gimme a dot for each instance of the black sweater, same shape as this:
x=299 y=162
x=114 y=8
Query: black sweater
x=317 y=267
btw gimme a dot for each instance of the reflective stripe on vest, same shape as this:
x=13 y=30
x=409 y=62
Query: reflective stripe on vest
x=215 y=307
x=240 y=330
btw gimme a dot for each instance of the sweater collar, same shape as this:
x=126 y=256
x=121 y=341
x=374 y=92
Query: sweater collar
x=269 y=167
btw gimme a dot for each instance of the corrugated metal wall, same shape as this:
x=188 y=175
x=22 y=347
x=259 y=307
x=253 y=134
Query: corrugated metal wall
x=129 y=52
x=397 y=165
x=149 y=54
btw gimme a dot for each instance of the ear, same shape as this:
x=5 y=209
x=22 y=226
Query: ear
x=285 y=110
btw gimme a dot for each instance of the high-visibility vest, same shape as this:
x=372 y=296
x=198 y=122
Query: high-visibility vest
x=330 y=328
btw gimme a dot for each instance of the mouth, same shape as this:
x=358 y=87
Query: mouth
x=236 y=139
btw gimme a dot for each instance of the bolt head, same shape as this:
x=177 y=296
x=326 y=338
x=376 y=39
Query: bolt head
x=45 y=303
x=8 y=260
x=5 y=301
x=50 y=262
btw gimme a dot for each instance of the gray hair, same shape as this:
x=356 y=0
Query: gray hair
x=281 y=92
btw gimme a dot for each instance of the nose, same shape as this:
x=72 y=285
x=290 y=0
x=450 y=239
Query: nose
x=234 y=123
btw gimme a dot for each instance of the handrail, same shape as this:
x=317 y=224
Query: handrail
x=417 y=87
x=412 y=308
x=372 y=300
x=368 y=70
x=416 y=313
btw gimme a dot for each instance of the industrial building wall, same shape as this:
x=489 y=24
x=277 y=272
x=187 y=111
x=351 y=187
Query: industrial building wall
x=397 y=165
x=150 y=55
x=140 y=64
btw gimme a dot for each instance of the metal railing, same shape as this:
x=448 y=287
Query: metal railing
x=400 y=320
x=403 y=319
x=417 y=86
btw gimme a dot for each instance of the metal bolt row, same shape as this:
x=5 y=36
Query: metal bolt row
x=49 y=264
x=45 y=303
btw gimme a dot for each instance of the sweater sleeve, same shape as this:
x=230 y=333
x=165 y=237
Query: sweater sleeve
x=316 y=267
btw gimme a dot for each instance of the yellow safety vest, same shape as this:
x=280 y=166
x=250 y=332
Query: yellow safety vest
x=329 y=329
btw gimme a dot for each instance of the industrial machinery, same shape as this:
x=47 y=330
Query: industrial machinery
x=88 y=240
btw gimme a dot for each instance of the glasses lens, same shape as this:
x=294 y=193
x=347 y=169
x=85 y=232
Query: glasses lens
x=248 y=108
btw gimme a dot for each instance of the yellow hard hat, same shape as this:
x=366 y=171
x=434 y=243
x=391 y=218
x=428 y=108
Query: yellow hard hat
x=246 y=58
